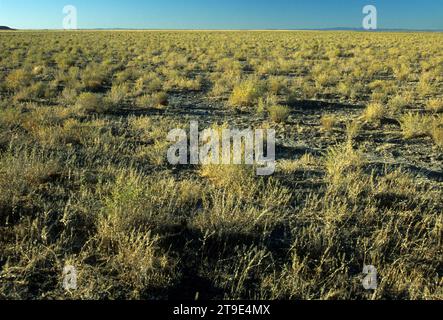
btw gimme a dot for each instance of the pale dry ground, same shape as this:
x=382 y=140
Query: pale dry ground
x=84 y=179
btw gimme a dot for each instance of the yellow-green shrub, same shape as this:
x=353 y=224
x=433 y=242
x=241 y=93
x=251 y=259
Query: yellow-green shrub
x=279 y=113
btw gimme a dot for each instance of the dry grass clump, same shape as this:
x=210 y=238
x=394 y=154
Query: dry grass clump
x=134 y=260
x=246 y=94
x=328 y=122
x=279 y=113
x=436 y=131
x=68 y=96
x=435 y=105
x=17 y=79
x=126 y=75
x=236 y=200
x=65 y=132
x=264 y=103
x=135 y=200
x=437 y=135
x=426 y=87
x=292 y=166
x=224 y=82
x=154 y=154
x=157 y=100
x=277 y=85
x=374 y=112
x=353 y=128
x=342 y=161
x=226 y=175
x=241 y=203
x=35 y=91
x=148 y=83
x=89 y=103
x=22 y=175
x=415 y=125
x=178 y=82
x=117 y=95
x=94 y=77
x=326 y=79
x=11 y=116
x=137 y=260
x=399 y=102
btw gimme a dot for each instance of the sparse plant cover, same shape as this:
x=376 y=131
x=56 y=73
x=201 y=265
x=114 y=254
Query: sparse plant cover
x=277 y=85
x=85 y=178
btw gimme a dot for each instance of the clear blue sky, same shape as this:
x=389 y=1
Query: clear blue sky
x=221 y=14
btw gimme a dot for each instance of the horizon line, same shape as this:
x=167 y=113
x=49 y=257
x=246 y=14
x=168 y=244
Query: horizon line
x=230 y=29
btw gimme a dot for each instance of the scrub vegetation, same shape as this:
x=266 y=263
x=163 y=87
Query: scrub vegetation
x=84 y=178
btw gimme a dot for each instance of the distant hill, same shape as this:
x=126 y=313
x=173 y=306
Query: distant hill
x=6 y=28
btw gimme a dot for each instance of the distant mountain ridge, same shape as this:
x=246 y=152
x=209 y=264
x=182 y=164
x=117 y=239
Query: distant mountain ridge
x=6 y=28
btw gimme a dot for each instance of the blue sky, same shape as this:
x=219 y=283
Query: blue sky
x=221 y=14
